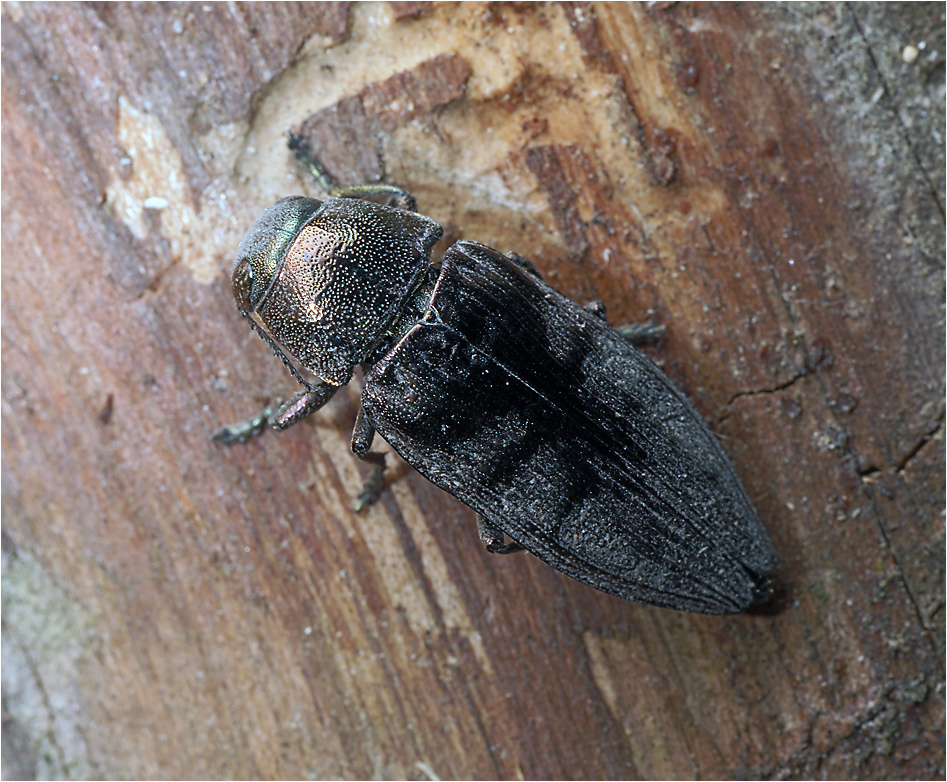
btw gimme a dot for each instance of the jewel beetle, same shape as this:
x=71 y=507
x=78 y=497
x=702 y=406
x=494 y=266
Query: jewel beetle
x=524 y=405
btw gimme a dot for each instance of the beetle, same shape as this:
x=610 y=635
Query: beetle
x=523 y=404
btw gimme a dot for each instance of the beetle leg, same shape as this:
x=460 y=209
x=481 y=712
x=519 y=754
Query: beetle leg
x=304 y=403
x=492 y=538
x=525 y=263
x=597 y=308
x=304 y=154
x=238 y=433
x=362 y=436
x=641 y=333
x=373 y=483
x=397 y=197
x=635 y=333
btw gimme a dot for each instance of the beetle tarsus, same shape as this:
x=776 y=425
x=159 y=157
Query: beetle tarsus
x=238 y=433
x=492 y=538
x=642 y=333
x=374 y=483
x=304 y=154
x=635 y=333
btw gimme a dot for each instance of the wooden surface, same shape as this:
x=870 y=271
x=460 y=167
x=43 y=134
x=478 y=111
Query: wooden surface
x=768 y=182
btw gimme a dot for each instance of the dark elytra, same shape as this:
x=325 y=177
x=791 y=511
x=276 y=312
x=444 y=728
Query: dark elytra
x=521 y=403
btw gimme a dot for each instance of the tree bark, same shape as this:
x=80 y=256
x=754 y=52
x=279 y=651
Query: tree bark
x=765 y=181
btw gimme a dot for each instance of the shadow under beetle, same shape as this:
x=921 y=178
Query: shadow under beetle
x=524 y=405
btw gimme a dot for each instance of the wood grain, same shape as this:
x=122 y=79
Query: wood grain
x=763 y=180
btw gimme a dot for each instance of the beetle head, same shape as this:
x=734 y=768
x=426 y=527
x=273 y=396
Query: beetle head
x=321 y=282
